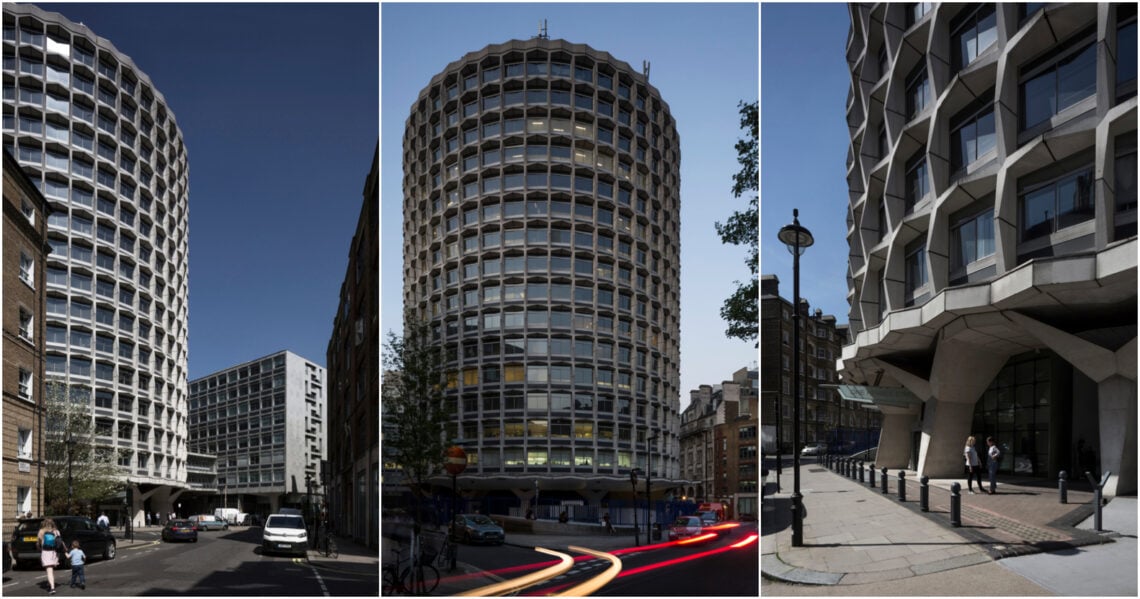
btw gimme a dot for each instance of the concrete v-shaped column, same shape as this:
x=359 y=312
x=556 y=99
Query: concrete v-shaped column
x=898 y=421
x=1115 y=376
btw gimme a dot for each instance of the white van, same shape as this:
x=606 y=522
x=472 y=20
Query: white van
x=229 y=514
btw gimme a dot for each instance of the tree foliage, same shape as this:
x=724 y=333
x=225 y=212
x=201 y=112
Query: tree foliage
x=95 y=472
x=742 y=309
x=413 y=402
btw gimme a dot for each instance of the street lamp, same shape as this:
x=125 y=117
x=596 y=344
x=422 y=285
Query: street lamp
x=633 y=486
x=648 y=475
x=70 y=450
x=797 y=239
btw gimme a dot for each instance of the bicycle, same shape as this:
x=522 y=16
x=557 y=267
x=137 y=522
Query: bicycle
x=443 y=559
x=398 y=579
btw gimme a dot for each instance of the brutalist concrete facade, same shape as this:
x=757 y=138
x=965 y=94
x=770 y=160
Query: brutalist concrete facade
x=541 y=240
x=992 y=227
x=91 y=129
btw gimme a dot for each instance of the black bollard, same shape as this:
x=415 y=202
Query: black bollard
x=1063 y=486
x=884 y=473
x=851 y=469
x=956 y=504
x=924 y=493
x=861 y=475
x=872 y=472
x=902 y=485
x=843 y=467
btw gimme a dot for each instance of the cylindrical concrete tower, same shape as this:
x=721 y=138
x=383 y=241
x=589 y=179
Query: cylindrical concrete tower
x=541 y=240
x=89 y=127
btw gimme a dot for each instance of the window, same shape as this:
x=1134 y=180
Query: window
x=972 y=136
x=1060 y=203
x=917 y=183
x=915 y=269
x=972 y=34
x=1125 y=51
x=26 y=389
x=27 y=269
x=1125 y=188
x=917 y=90
x=916 y=10
x=1068 y=77
x=973 y=238
x=26 y=325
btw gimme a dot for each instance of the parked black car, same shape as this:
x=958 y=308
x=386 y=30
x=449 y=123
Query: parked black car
x=94 y=540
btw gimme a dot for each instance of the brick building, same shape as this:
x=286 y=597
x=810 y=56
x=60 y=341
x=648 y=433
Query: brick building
x=824 y=416
x=25 y=248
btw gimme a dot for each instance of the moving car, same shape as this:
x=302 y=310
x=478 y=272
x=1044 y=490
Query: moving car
x=477 y=528
x=707 y=518
x=284 y=533
x=814 y=450
x=181 y=530
x=95 y=541
x=209 y=522
x=684 y=527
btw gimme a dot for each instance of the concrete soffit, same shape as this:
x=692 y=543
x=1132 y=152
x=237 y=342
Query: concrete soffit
x=1097 y=362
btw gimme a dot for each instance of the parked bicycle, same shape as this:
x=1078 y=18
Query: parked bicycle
x=398 y=578
x=446 y=550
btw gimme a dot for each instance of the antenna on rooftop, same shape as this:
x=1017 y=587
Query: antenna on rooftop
x=645 y=69
x=542 y=34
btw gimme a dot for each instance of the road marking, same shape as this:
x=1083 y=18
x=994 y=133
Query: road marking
x=592 y=585
x=321 y=581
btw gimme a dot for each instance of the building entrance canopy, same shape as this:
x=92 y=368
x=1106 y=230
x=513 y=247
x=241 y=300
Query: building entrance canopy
x=896 y=397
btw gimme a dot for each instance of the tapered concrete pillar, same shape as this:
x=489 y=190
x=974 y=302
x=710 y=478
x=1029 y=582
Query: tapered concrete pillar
x=894 y=440
x=960 y=374
x=1117 y=399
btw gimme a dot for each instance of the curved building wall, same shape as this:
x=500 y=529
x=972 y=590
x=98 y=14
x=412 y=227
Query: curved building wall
x=92 y=131
x=541 y=239
x=992 y=217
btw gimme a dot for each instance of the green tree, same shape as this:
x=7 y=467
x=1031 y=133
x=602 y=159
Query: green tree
x=95 y=472
x=742 y=309
x=412 y=405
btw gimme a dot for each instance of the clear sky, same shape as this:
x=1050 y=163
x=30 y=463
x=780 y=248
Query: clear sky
x=803 y=147
x=278 y=109
x=704 y=60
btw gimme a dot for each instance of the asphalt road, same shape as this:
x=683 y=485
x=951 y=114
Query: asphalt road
x=225 y=563
x=711 y=568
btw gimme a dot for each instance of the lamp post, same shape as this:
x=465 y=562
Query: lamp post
x=633 y=486
x=70 y=484
x=648 y=475
x=797 y=239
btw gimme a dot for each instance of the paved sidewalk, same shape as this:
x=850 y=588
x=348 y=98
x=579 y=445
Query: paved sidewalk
x=854 y=534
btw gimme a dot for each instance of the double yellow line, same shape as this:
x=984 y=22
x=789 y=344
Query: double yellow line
x=590 y=586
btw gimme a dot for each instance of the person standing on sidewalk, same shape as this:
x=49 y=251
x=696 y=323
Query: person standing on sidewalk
x=973 y=465
x=995 y=458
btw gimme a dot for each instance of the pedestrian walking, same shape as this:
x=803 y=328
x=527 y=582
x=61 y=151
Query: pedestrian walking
x=78 y=558
x=973 y=465
x=610 y=526
x=103 y=521
x=49 y=542
x=995 y=458
x=148 y=518
x=564 y=517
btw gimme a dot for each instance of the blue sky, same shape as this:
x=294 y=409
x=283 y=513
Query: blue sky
x=704 y=60
x=278 y=109
x=803 y=147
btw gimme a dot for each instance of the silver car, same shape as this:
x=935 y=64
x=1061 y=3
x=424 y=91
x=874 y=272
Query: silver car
x=477 y=528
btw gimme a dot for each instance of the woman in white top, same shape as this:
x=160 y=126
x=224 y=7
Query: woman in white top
x=973 y=465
